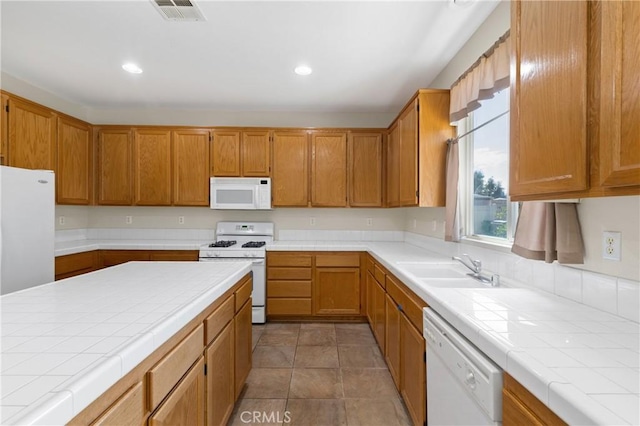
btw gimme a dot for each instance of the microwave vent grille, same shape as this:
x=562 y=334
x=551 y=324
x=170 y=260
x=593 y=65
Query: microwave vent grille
x=178 y=10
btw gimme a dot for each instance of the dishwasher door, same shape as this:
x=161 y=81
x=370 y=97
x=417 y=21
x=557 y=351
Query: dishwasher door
x=464 y=387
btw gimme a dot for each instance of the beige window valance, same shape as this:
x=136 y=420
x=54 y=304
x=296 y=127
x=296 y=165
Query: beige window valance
x=488 y=75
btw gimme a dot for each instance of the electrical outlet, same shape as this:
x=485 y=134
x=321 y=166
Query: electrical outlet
x=369 y=221
x=434 y=225
x=180 y=220
x=128 y=220
x=312 y=221
x=611 y=245
x=61 y=220
x=415 y=223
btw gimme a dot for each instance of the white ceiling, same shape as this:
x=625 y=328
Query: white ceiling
x=366 y=56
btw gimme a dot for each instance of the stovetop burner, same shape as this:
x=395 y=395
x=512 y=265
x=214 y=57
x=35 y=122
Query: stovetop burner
x=223 y=243
x=254 y=244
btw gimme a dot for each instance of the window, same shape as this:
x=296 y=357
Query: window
x=486 y=212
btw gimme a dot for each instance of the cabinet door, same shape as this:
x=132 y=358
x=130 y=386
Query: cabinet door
x=392 y=348
x=256 y=150
x=365 y=170
x=174 y=255
x=371 y=282
x=116 y=257
x=412 y=371
x=220 y=383
x=548 y=151
x=191 y=168
x=114 y=167
x=336 y=291
x=242 y=331
x=185 y=404
x=329 y=169
x=393 y=166
x=619 y=120
x=73 y=173
x=225 y=153
x=380 y=316
x=32 y=136
x=290 y=175
x=408 y=156
x=4 y=128
x=152 y=167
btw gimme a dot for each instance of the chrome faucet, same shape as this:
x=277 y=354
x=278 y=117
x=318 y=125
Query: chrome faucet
x=475 y=266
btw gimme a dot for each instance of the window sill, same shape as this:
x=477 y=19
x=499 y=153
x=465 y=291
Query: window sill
x=504 y=247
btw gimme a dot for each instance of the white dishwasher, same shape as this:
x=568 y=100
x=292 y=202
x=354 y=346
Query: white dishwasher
x=464 y=387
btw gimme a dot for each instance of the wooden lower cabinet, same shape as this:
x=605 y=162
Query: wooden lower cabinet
x=392 y=342
x=128 y=410
x=380 y=310
x=185 y=404
x=116 y=257
x=220 y=395
x=76 y=264
x=413 y=386
x=336 y=291
x=521 y=407
x=242 y=346
x=174 y=255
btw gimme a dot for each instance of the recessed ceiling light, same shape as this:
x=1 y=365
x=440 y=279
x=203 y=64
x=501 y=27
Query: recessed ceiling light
x=132 y=68
x=303 y=70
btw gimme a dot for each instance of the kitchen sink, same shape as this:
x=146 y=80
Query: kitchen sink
x=455 y=283
x=432 y=271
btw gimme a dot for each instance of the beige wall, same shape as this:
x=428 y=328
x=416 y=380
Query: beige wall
x=205 y=218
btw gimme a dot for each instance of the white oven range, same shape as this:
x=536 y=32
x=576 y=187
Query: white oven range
x=242 y=242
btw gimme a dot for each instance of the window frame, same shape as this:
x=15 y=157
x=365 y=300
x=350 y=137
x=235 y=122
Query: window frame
x=465 y=193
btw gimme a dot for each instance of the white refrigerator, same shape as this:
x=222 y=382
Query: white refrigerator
x=27 y=231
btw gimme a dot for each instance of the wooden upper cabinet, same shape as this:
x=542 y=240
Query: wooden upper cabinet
x=256 y=153
x=329 y=169
x=152 y=167
x=290 y=177
x=616 y=94
x=408 y=156
x=225 y=153
x=114 y=167
x=548 y=151
x=4 y=128
x=365 y=169
x=191 y=167
x=32 y=135
x=73 y=177
x=393 y=166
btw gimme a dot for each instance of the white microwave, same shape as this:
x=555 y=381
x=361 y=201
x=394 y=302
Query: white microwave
x=241 y=193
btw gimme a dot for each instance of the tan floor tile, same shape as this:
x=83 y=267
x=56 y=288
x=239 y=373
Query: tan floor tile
x=316 y=383
x=256 y=333
x=317 y=325
x=267 y=383
x=317 y=337
x=317 y=357
x=317 y=412
x=376 y=412
x=361 y=357
x=283 y=327
x=354 y=334
x=273 y=356
x=269 y=338
x=367 y=383
x=258 y=411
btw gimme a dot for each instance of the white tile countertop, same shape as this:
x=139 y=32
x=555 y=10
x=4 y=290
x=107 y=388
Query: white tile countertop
x=65 y=343
x=581 y=362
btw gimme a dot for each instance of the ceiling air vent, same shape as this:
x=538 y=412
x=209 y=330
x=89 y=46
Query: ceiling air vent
x=178 y=10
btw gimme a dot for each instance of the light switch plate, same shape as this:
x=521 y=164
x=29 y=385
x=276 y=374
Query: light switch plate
x=611 y=245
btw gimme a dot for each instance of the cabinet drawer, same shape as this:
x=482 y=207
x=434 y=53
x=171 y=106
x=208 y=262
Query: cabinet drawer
x=379 y=274
x=413 y=310
x=243 y=294
x=289 y=273
x=215 y=322
x=168 y=371
x=288 y=288
x=290 y=306
x=411 y=304
x=370 y=264
x=289 y=259
x=75 y=262
x=128 y=410
x=346 y=260
x=393 y=289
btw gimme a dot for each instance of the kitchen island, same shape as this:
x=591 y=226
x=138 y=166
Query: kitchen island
x=66 y=343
